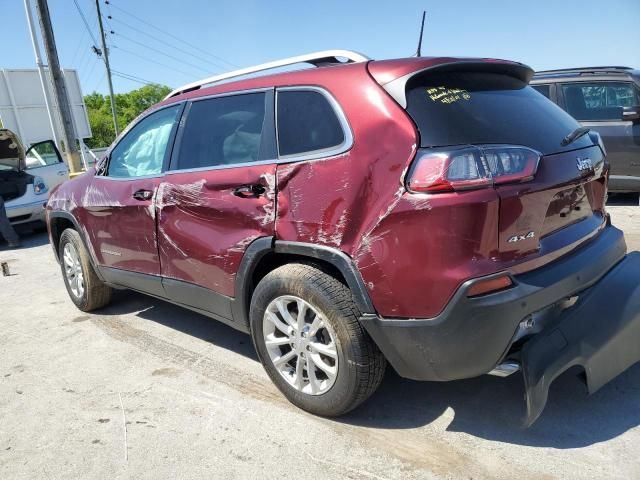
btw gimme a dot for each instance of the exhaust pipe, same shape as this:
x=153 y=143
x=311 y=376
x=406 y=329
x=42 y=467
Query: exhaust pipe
x=505 y=369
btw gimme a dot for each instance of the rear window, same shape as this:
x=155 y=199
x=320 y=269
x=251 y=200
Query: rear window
x=475 y=108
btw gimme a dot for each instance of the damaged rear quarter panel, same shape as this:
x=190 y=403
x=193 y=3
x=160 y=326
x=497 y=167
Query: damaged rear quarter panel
x=337 y=201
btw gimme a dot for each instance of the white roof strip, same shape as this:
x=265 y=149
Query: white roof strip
x=317 y=59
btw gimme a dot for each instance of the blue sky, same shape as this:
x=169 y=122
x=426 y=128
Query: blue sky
x=220 y=34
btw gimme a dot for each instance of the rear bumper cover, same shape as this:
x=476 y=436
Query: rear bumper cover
x=600 y=333
x=472 y=335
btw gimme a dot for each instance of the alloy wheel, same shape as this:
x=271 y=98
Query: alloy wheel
x=301 y=344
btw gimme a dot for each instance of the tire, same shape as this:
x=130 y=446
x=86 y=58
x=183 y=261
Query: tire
x=94 y=294
x=359 y=363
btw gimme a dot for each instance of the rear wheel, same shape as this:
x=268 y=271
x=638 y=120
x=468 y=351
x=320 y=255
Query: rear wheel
x=85 y=289
x=305 y=328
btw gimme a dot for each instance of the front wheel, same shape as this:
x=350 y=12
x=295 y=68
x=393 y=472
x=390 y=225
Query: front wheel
x=85 y=289
x=305 y=327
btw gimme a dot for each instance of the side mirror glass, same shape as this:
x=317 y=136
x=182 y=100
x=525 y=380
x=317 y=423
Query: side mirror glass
x=42 y=154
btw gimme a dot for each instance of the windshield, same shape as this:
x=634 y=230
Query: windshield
x=483 y=108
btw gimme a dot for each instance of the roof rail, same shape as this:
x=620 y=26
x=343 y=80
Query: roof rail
x=584 y=69
x=318 y=59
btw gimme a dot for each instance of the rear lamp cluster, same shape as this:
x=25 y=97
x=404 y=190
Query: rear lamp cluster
x=472 y=167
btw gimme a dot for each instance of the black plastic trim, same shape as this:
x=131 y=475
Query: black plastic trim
x=244 y=278
x=471 y=335
x=183 y=294
x=68 y=216
x=195 y=296
x=338 y=259
x=600 y=333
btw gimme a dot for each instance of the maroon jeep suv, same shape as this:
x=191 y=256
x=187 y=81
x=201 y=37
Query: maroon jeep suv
x=437 y=214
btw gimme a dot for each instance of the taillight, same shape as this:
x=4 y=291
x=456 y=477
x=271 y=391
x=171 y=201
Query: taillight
x=465 y=168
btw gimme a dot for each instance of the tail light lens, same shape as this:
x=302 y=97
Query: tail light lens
x=465 y=168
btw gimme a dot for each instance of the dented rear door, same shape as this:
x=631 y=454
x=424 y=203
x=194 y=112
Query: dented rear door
x=217 y=197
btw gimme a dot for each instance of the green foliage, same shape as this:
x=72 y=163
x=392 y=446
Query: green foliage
x=128 y=106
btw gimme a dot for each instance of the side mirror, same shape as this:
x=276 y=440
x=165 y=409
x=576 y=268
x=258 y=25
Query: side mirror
x=631 y=113
x=42 y=154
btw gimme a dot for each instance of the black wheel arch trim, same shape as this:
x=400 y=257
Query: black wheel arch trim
x=262 y=246
x=68 y=216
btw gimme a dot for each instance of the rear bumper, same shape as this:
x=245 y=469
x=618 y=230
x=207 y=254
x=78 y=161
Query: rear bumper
x=600 y=333
x=472 y=335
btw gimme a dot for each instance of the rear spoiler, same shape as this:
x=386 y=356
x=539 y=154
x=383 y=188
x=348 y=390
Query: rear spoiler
x=397 y=87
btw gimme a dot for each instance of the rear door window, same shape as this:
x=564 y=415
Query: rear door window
x=307 y=123
x=462 y=108
x=599 y=100
x=222 y=131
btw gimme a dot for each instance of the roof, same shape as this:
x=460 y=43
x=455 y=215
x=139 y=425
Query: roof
x=585 y=71
x=383 y=71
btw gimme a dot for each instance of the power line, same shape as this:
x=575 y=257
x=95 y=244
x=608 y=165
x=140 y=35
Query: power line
x=157 y=39
x=160 y=52
x=164 y=32
x=86 y=24
x=133 y=78
x=150 y=60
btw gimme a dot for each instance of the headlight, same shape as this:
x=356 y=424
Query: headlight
x=39 y=186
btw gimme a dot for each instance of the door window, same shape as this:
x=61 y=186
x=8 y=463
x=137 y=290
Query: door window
x=306 y=123
x=42 y=154
x=141 y=152
x=599 y=100
x=222 y=131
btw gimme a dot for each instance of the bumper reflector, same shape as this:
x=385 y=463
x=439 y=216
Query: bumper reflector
x=490 y=285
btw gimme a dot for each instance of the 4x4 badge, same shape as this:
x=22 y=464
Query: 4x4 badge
x=517 y=238
x=584 y=163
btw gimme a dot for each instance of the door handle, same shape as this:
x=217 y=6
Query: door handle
x=249 y=191
x=62 y=172
x=143 y=195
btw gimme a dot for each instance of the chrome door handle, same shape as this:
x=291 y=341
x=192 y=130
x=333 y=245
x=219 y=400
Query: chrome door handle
x=143 y=195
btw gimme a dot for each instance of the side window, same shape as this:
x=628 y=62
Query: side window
x=141 y=152
x=599 y=100
x=306 y=123
x=42 y=154
x=222 y=131
x=543 y=89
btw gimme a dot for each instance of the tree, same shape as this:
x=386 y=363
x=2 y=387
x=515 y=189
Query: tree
x=128 y=106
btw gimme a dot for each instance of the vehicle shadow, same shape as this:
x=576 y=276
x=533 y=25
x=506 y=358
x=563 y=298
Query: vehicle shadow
x=494 y=408
x=623 y=199
x=182 y=320
x=486 y=407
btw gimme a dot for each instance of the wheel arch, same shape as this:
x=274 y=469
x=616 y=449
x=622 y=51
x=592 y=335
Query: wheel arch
x=266 y=254
x=58 y=222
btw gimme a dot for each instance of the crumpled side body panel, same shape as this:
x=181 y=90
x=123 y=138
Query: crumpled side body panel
x=203 y=229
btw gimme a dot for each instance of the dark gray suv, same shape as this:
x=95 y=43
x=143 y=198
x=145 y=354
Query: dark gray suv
x=607 y=100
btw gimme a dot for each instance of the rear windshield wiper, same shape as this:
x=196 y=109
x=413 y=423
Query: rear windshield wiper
x=573 y=136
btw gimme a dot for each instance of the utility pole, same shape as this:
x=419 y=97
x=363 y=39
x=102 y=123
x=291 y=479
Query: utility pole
x=60 y=90
x=41 y=72
x=105 y=54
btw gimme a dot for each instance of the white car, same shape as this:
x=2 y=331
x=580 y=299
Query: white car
x=26 y=178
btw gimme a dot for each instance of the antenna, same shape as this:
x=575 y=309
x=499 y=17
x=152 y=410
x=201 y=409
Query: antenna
x=419 y=51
